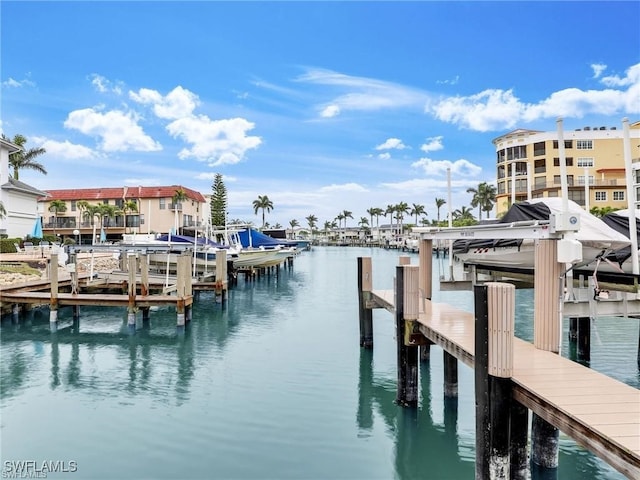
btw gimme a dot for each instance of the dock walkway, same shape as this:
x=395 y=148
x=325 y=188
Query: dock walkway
x=598 y=412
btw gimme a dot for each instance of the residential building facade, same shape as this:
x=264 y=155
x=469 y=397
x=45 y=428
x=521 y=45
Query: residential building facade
x=155 y=212
x=528 y=165
x=19 y=200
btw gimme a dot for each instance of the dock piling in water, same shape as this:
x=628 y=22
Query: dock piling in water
x=365 y=285
x=406 y=313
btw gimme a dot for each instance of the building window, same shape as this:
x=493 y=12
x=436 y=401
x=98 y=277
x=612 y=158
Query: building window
x=556 y=179
x=119 y=202
x=105 y=202
x=540 y=166
x=601 y=196
x=541 y=182
x=552 y=193
x=515 y=153
x=585 y=161
x=73 y=205
x=584 y=144
x=501 y=156
x=618 y=196
x=163 y=205
x=567 y=144
x=568 y=161
x=538 y=149
x=577 y=196
x=581 y=180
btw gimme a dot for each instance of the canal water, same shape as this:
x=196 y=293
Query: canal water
x=271 y=386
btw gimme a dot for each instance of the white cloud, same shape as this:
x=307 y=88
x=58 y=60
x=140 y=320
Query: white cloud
x=118 y=130
x=499 y=109
x=432 y=144
x=216 y=141
x=459 y=167
x=391 y=143
x=384 y=156
x=345 y=187
x=452 y=81
x=631 y=78
x=484 y=111
x=362 y=94
x=598 y=68
x=103 y=85
x=176 y=104
x=330 y=111
x=13 y=83
x=64 y=149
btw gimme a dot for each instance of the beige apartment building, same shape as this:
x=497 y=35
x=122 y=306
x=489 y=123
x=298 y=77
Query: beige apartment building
x=528 y=162
x=155 y=212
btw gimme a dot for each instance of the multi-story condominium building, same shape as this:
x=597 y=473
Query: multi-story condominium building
x=155 y=211
x=528 y=166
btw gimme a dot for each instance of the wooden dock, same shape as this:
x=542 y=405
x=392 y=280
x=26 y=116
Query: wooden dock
x=512 y=376
x=598 y=412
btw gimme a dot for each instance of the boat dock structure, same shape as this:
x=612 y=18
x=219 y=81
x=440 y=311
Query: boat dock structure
x=512 y=377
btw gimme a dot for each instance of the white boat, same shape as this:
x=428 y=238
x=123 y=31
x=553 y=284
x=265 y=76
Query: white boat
x=597 y=238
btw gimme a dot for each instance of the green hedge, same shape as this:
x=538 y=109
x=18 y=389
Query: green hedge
x=7 y=245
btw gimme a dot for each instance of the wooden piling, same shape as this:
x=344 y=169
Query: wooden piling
x=519 y=433
x=365 y=285
x=181 y=285
x=221 y=276
x=546 y=326
x=584 y=340
x=406 y=302
x=404 y=260
x=425 y=285
x=53 y=303
x=132 y=289
x=495 y=314
x=144 y=273
x=450 y=375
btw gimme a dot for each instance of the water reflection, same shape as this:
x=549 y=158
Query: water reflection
x=423 y=449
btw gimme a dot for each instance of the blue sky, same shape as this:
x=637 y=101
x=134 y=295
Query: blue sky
x=322 y=106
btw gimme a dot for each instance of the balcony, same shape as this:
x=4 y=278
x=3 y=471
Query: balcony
x=175 y=207
x=62 y=222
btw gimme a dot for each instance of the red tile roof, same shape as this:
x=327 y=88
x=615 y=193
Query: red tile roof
x=111 y=193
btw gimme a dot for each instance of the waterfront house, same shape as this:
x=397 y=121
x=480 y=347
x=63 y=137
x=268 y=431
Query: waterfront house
x=20 y=200
x=155 y=212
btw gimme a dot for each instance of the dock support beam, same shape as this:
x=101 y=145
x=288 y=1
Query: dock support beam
x=365 y=285
x=494 y=315
x=584 y=340
x=425 y=285
x=406 y=302
x=221 y=276
x=546 y=328
x=53 y=304
x=132 y=287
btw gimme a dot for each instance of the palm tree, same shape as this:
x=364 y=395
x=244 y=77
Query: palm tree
x=179 y=196
x=416 y=210
x=346 y=214
x=390 y=210
x=108 y=212
x=57 y=206
x=463 y=216
x=312 y=220
x=24 y=159
x=293 y=223
x=484 y=197
x=3 y=211
x=91 y=212
x=263 y=203
x=129 y=206
x=401 y=209
x=439 y=203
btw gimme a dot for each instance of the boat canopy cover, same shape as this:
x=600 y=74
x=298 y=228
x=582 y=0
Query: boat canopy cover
x=619 y=221
x=259 y=239
x=191 y=240
x=593 y=231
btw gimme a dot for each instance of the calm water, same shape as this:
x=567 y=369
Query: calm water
x=272 y=386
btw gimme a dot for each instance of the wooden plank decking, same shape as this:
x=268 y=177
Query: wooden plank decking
x=598 y=412
x=103 y=299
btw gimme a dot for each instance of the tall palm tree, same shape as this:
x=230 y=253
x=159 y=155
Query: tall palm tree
x=262 y=203
x=346 y=214
x=129 y=206
x=312 y=220
x=293 y=223
x=179 y=196
x=401 y=209
x=108 y=212
x=484 y=197
x=439 y=203
x=91 y=213
x=22 y=159
x=463 y=215
x=339 y=218
x=416 y=210
x=390 y=210
x=57 y=206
